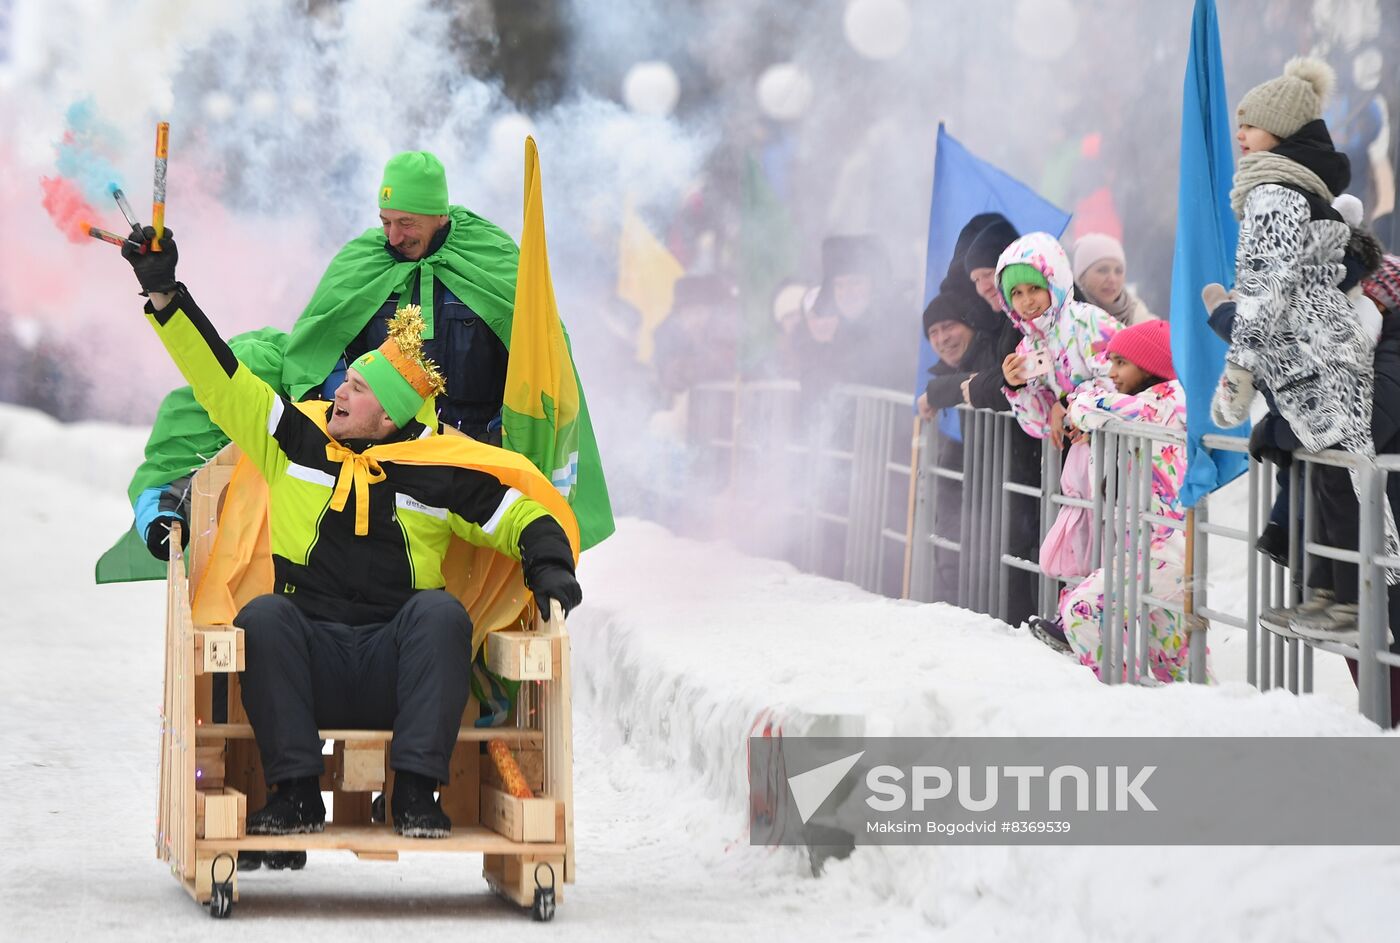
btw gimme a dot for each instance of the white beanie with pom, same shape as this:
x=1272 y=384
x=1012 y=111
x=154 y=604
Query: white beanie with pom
x=1283 y=105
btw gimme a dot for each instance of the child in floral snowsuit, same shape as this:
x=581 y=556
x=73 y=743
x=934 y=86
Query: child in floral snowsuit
x=1037 y=283
x=1147 y=391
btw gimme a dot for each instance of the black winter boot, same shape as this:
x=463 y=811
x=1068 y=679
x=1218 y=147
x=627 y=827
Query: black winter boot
x=1273 y=543
x=1051 y=633
x=417 y=812
x=295 y=807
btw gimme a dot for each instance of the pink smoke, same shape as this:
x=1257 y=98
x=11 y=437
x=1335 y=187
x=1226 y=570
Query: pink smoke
x=66 y=207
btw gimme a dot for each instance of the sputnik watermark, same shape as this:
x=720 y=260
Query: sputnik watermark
x=1115 y=789
x=830 y=790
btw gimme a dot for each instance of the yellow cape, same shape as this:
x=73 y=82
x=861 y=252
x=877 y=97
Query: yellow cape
x=490 y=585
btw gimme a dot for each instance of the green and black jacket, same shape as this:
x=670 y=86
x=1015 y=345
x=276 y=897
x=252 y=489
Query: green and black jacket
x=408 y=511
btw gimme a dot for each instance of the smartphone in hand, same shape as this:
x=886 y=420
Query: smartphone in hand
x=1036 y=364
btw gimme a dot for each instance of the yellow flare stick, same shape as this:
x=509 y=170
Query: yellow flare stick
x=158 y=188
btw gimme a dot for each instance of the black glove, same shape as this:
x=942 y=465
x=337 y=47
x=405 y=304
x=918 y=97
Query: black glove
x=154 y=270
x=158 y=536
x=555 y=582
x=173 y=507
x=548 y=562
x=1263 y=446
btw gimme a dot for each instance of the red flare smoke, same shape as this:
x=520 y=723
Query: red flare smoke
x=67 y=208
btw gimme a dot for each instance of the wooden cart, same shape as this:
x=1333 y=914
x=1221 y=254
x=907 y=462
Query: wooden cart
x=211 y=774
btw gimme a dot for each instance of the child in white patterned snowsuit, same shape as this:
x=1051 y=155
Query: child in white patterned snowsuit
x=1294 y=331
x=1146 y=391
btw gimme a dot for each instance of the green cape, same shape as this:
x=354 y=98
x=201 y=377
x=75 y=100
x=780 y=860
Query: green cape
x=477 y=263
x=182 y=439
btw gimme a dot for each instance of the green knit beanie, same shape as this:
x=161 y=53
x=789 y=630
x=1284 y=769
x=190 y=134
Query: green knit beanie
x=414 y=182
x=398 y=397
x=401 y=377
x=1019 y=273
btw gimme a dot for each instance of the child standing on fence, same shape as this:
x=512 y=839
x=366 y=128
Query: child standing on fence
x=1147 y=391
x=1295 y=332
x=1061 y=353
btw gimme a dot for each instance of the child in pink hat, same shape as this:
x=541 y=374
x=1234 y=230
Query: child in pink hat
x=1145 y=390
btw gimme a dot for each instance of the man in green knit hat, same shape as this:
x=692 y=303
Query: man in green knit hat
x=425 y=248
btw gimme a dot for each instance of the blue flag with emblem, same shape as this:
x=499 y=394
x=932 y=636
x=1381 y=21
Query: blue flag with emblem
x=963 y=186
x=1206 y=234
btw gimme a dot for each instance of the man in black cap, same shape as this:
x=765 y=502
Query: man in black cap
x=962 y=332
x=971 y=280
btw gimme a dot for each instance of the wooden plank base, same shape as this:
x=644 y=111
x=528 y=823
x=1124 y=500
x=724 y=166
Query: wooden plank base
x=379 y=839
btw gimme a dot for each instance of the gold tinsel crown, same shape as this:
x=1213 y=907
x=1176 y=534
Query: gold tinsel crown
x=404 y=349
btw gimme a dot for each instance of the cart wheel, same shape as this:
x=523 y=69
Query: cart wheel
x=543 y=909
x=221 y=892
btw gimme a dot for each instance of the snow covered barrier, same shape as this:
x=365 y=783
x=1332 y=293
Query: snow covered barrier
x=690 y=648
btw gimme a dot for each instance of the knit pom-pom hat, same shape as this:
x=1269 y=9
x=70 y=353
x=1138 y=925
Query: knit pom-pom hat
x=1283 y=105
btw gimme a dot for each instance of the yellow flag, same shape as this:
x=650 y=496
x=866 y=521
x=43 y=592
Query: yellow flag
x=539 y=417
x=646 y=278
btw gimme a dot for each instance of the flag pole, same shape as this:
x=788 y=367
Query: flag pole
x=910 y=536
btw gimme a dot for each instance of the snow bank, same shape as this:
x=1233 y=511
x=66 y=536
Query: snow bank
x=690 y=648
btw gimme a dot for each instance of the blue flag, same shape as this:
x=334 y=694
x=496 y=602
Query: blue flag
x=963 y=186
x=1206 y=233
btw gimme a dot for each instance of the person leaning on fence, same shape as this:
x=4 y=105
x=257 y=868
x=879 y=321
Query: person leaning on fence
x=987 y=236
x=959 y=333
x=1145 y=390
x=1100 y=275
x=1331 y=612
x=363 y=501
x=970 y=283
x=844 y=335
x=1036 y=283
x=1295 y=332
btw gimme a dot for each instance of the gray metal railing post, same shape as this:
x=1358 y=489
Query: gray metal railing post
x=997 y=474
x=1200 y=588
x=1133 y=543
x=1373 y=680
x=985 y=542
x=1251 y=618
x=966 y=529
x=1143 y=585
x=1111 y=542
x=1046 y=586
x=1004 y=497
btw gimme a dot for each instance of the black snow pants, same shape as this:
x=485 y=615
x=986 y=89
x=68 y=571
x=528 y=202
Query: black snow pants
x=411 y=674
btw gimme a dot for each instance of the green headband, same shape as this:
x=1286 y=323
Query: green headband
x=414 y=182
x=1019 y=273
x=396 y=395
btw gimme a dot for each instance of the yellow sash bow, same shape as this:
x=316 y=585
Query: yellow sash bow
x=363 y=471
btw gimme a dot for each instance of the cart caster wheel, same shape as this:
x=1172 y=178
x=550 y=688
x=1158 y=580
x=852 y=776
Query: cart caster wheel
x=221 y=904
x=250 y=860
x=221 y=892
x=543 y=909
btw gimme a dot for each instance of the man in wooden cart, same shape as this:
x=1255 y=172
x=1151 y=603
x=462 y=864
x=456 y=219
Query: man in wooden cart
x=363 y=501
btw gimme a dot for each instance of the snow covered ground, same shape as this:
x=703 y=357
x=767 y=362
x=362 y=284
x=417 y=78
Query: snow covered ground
x=680 y=647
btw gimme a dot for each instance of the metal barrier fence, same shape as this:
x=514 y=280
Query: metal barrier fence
x=858 y=503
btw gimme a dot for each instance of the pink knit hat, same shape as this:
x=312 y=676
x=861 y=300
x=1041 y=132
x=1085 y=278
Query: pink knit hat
x=1383 y=285
x=1148 y=346
x=1094 y=247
